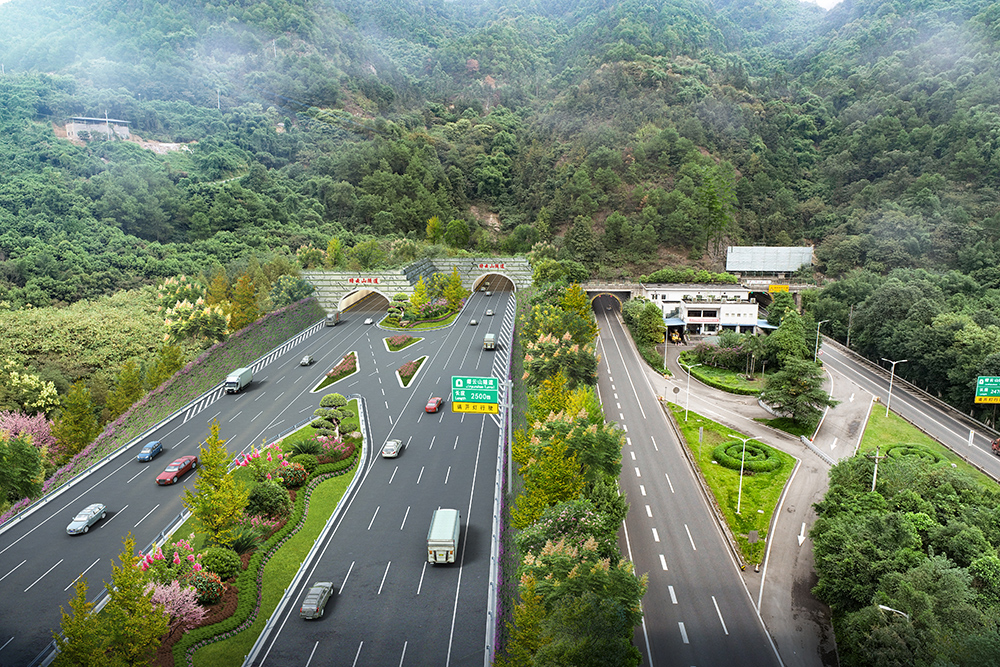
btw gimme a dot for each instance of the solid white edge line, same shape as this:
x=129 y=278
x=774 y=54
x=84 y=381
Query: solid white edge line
x=770 y=538
x=645 y=633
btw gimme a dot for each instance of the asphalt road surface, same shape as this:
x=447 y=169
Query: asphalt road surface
x=697 y=609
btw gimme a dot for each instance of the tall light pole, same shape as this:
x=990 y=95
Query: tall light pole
x=687 y=402
x=739 y=496
x=816 y=350
x=895 y=611
x=892 y=375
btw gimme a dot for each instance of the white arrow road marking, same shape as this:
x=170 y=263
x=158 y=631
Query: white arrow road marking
x=802 y=534
x=834 y=445
x=851 y=399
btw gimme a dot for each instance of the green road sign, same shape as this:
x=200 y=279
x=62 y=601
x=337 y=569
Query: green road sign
x=474 y=389
x=988 y=389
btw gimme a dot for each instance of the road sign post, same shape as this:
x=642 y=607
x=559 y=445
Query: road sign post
x=988 y=389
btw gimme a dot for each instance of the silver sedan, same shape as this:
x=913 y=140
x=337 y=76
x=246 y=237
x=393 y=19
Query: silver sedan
x=86 y=518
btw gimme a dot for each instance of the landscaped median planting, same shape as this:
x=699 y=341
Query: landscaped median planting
x=408 y=371
x=347 y=366
x=397 y=343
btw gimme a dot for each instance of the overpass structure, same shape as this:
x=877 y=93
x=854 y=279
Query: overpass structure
x=342 y=289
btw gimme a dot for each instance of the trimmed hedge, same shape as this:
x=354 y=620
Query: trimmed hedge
x=913 y=450
x=759 y=458
x=725 y=387
x=224 y=562
x=251 y=579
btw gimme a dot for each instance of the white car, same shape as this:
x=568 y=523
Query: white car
x=489 y=313
x=369 y=320
x=391 y=449
x=306 y=360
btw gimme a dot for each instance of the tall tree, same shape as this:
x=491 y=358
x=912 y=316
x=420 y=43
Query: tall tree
x=128 y=389
x=21 y=470
x=132 y=621
x=169 y=360
x=82 y=642
x=435 y=230
x=76 y=427
x=419 y=298
x=797 y=390
x=244 y=304
x=218 y=499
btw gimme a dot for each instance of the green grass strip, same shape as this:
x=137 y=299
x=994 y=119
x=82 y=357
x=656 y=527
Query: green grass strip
x=761 y=490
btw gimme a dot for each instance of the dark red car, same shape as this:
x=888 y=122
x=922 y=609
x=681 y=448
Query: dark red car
x=177 y=469
x=434 y=404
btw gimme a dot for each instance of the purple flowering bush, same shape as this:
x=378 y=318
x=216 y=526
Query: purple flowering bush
x=409 y=369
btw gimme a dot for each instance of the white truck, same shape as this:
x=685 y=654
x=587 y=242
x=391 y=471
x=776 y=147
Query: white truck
x=332 y=318
x=442 y=537
x=237 y=380
x=490 y=342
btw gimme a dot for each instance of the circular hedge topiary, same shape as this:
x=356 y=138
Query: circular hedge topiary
x=224 y=562
x=759 y=458
x=270 y=499
x=900 y=450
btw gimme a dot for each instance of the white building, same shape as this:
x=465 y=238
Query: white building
x=705 y=309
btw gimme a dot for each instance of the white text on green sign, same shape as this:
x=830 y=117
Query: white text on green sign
x=459 y=382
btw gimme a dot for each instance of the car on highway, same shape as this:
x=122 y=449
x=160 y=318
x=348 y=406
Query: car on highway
x=473 y=322
x=489 y=313
x=434 y=404
x=489 y=293
x=391 y=449
x=86 y=518
x=306 y=360
x=316 y=599
x=177 y=469
x=150 y=451
x=368 y=320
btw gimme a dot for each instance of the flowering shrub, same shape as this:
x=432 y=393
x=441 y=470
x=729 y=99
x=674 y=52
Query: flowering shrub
x=307 y=461
x=209 y=586
x=266 y=464
x=400 y=341
x=294 y=476
x=573 y=522
x=29 y=391
x=195 y=320
x=409 y=369
x=347 y=366
x=178 y=565
x=429 y=310
x=180 y=604
x=36 y=426
x=333 y=449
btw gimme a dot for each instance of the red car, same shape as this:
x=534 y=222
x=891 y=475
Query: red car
x=177 y=469
x=434 y=404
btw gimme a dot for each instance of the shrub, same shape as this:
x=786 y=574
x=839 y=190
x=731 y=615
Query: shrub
x=759 y=458
x=209 y=586
x=349 y=426
x=244 y=538
x=307 y=461
x=310 y=446
x=294 y=476
x=269 y=499
x=224 y=562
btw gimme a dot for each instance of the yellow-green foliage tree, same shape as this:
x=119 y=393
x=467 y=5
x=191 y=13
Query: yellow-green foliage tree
x=551 y=355
x=218 y=499
x=419 y=297
x=21 y=391
x=243 y=310
x=218 y=289
x=81 y=642
x=169 y=360
x=334 y=253
x=454 y=292
x=435 y=230
x=128 y=389
x=552 y=477
x=526 y=630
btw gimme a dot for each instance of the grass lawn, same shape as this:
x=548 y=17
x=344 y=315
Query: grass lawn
x=278 y=574
x=723 y=378
x=760 y=490
x=882 y=431
x=789 y=425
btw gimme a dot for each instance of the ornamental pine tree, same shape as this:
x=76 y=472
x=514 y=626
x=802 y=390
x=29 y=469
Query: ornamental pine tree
x=244 y=304
x=134 y=624
x=217 y=500
x=128 y=390
x=76 y=427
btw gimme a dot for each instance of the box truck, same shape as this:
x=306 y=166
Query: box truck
x=442 y=538
x=490 y=342
x=238 y=379
x=333 y=318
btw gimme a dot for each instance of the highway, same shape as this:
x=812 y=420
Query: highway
x=40 y=563
x=697 y=609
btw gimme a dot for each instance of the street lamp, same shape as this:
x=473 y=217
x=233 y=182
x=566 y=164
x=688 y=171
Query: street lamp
x=816 y=351
x=687 y=402
x=739 y=496
x=892 y=375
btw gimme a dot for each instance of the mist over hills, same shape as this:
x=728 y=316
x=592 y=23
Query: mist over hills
x=630 y=134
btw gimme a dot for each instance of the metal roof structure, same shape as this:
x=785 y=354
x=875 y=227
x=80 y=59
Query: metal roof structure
x=768 y=259
x=100 y=120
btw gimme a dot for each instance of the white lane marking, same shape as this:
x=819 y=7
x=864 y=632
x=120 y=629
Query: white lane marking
x=420 y=585
x=612 y=384
x=403 y=655
x=668 y=482
x=690 y=538
x=235 y=416
x=113 y=516
x=801 y=537
x=621 y=417
x=432 y=443
x=147 y=514
x=642 y=489
x=135 y=475
x=43 y=576
x=344 y=583
x=384 y=575
x=616 y=398
x=633 y=455
x=81 y=574
x=625 y=426
x=312 y=653
x=447 y=475
x=684 y=634
x=673 y=596
x=649 y=511
x=262 y=412
x=373 y=517
x=628 y=441
x=357 y=655
x=637 y=473
x=618 y=405
x=721 y=620
x=420 y=475
x=663 y=564
x=404 y=517
x=654 y=444
x=15 y=567
x=455 y=446
x=393 y=474
x=656 y=536
x=834 y=445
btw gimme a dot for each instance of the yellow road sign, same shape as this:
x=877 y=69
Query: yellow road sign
x=481 y=408
x=987 y=399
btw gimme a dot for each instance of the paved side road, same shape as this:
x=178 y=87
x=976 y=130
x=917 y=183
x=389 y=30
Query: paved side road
x=782 y=589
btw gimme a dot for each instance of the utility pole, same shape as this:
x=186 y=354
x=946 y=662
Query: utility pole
x=877 y=459
x=816 y=350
